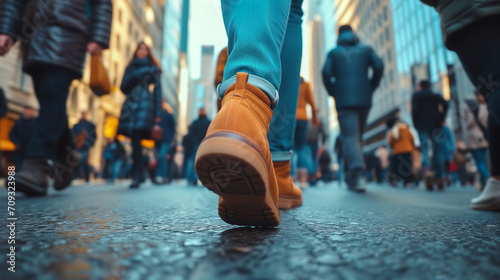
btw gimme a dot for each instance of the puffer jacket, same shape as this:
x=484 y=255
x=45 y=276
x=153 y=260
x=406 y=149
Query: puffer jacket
x=141 y=106
x=56 y=32
x=457 y=14
x=345 y=73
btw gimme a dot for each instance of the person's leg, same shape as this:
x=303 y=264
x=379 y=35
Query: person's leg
x=353 y=155
x=282 y=128
x=137 y=163
x=161 y=169
x=86 y=167
x=481 y=59
x=256 y=32
x=424 y=148
x=480 y=156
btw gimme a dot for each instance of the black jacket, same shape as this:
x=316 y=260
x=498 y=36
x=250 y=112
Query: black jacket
x=56 y=32
x=345 y=73
x=198 y=130
x=3 y=103
x=141 y=106
x=168 y=125
x=428 y=110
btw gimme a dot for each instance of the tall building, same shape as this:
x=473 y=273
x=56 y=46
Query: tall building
x=171 y=52
x=202 y=93
x=421 y=54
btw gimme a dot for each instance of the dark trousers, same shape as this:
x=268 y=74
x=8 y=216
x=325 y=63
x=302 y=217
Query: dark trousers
x=352 y=124
x=52 y=135
x=137 y=162
x=401 y=168
x=478 y=47
x=84 y=167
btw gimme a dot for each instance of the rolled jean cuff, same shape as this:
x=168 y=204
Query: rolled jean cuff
x=281 y=155
x=257 y=81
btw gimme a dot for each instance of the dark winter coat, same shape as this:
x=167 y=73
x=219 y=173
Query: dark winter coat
x=85 y=135
x=56 y=32
x=428 y=110
x=198 y=130
x=141 y=106
x=168 y=125
x=457 y=14
x=3 y=103
x=345 y=73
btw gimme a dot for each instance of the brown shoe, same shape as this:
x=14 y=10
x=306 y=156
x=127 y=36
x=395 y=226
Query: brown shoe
x=290 y=194
x=429 y=180
x=234 y=160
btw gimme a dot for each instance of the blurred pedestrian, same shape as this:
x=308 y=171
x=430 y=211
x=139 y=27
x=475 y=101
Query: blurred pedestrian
x=54 y=55
x=21 y=134
x=142 y=108
x=85 y=137
x=446 y=146
x=475 y=114
x=164 y=146
x=315 y=142
x=197 y=132
x=402 y=144
x=471 y=29
x=345 y=75
x=304 y=154
x=429 y=112
x=264 y=59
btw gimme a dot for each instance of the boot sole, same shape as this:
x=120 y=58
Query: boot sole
x=288 y=202
x=29 y=188
x=230 y=166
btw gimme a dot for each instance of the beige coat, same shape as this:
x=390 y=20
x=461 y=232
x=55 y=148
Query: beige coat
x=475 y=137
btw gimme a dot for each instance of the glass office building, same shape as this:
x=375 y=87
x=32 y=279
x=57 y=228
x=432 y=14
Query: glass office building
x=421 y=54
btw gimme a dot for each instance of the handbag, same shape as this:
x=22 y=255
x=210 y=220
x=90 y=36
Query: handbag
x=156 y=132
x=99 y=79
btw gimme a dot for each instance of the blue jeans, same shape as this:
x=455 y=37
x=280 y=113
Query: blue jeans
x=439 y=155
x=162 y=168
x=424 y=148
x=481 y=163
x=265 y=41
x=84 y=168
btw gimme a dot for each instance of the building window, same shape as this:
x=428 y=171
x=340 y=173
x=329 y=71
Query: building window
x=120 y=15
x=389 y=55
x=130 y=28
x=387 y=34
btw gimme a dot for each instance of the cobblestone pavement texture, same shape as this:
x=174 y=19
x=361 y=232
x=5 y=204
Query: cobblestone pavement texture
x=174 y=232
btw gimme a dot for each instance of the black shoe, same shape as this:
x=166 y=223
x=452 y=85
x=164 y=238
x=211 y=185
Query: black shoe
x=134 y=185
x=33 y=178
x=64 y=169
x=358 y=185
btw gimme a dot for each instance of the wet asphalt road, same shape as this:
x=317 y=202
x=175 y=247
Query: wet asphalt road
x=174 y=232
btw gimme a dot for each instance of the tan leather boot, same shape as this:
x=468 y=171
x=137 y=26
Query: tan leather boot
x=234 y=160
x=290 y=194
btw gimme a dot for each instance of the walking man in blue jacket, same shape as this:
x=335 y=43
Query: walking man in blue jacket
x=345 y=75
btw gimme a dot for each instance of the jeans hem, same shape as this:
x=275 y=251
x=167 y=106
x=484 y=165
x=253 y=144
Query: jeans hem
x=257 y=81
x=281 y=155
